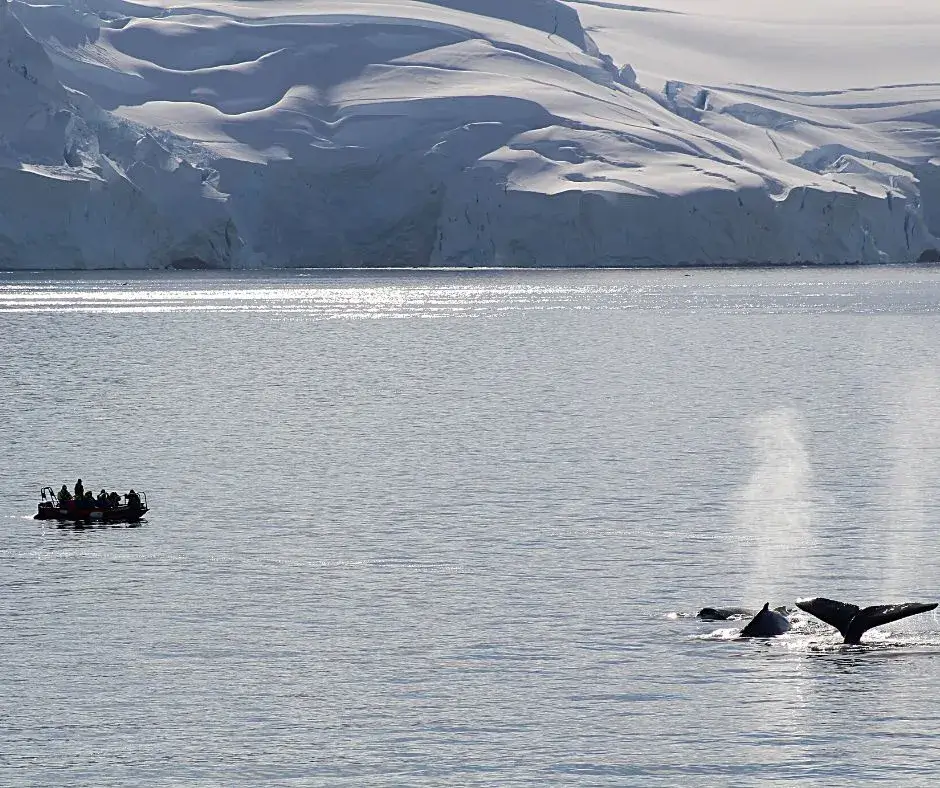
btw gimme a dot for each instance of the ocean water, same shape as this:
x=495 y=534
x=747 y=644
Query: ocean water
x=427 y=528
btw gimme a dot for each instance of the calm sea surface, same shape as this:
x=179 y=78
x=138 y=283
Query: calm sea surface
x=427 y=529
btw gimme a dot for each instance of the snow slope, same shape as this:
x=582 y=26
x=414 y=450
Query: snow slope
x=64 y=203
x=468 y=132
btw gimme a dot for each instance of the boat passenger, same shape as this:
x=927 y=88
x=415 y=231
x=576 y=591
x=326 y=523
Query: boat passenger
x=103 y=499
x=64 y=495
x=114 y=500
x=133 y=500
x=88 y=500
x=79 y=490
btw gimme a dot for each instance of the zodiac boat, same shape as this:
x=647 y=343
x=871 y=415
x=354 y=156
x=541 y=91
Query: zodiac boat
x=50 y=508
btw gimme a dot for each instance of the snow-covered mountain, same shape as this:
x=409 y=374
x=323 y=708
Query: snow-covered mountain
x=82 y=188
x=467 y=132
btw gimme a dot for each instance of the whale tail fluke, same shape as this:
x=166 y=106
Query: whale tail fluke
x=853 y=622
x=835 y=614
x=876 y=615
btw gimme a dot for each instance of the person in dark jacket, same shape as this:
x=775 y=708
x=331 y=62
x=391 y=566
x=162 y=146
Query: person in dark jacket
x=64 y=495
x=79 y=490
x=133 y=500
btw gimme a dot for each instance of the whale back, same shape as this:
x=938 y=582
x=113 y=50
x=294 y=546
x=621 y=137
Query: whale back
x=766 y=624
x=722 y=613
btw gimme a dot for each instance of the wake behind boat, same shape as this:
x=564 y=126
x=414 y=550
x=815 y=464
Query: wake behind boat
x=113 y=508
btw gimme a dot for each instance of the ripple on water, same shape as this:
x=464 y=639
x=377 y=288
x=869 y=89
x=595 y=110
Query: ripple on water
x=426 y=528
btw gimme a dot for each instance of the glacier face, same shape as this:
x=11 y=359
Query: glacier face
x=464 y=132
x=81 y=188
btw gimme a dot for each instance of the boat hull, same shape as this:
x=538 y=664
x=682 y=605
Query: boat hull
x=119 y=514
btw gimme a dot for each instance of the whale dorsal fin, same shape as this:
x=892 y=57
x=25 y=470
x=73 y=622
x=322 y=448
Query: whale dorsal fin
x=836 y=614
x=756 y=627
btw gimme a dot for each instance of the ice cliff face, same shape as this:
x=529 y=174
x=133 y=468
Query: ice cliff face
x=445 y=132
x=80 y=188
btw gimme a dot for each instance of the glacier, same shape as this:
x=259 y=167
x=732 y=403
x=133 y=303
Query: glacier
x=347 y=133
